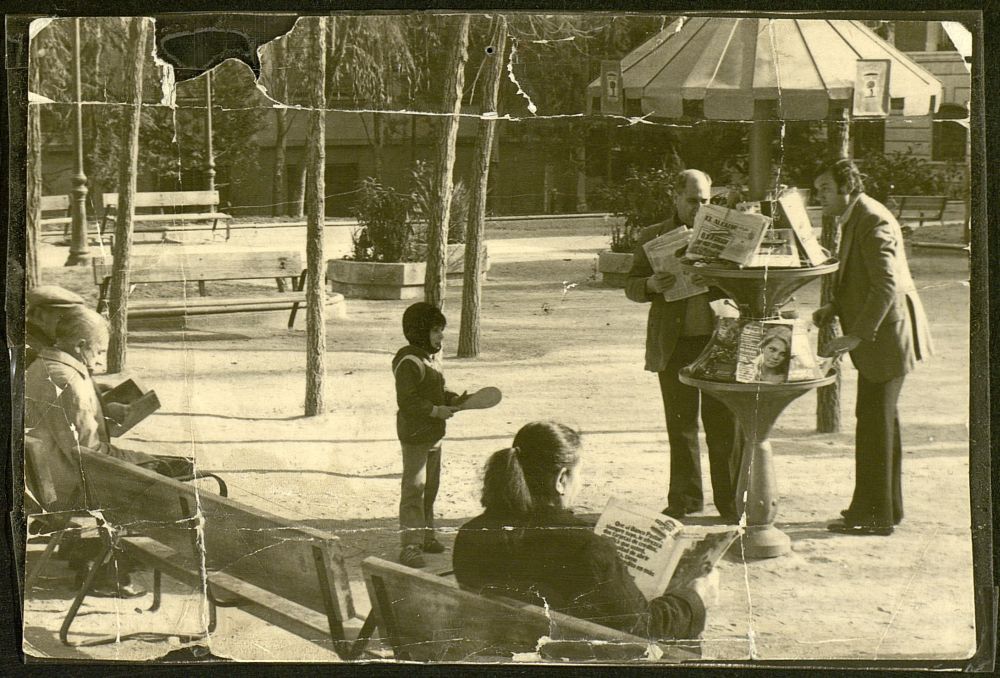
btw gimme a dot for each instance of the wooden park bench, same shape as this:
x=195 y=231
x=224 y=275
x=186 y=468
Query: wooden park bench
x=206 y=204
x=285 y=267
x=918 y=209
x=291 y=576
x=57 y=207
x=426 y=617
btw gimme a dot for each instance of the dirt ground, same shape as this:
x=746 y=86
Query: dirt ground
x=560 y=346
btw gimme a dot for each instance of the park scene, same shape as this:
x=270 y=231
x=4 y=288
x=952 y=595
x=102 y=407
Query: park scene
x=378 y=338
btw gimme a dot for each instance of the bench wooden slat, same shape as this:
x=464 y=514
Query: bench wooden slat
x=51 y=203
x=165 y=199
x=279 y=299
x=179 y=216
x=429 y=618
x=257 y=547
x=193 y=266
x=919 y=208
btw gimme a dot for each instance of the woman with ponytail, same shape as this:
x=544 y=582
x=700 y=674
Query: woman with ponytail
x=529 y=545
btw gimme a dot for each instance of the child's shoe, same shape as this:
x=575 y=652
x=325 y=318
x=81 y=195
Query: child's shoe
x=432 y=545
x=411 y=556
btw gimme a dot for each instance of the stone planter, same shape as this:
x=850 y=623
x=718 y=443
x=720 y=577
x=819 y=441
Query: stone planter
x=614 y=267
x=456 y=258
x=370 y=280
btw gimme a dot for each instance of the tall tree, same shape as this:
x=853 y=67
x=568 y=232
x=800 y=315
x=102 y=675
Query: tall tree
x=315 y=274
x=32 y=270
x=469 y=331
x=138 y=31
x=435 y=279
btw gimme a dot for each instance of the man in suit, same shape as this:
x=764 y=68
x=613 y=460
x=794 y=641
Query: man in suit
x=886 y=333
x=676 y=333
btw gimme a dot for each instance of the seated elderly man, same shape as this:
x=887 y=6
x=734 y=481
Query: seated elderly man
x=63 y=414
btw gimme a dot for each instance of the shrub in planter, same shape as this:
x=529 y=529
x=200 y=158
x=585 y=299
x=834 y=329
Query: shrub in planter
x=643 y=199
x=424 y=198
x=385 y=229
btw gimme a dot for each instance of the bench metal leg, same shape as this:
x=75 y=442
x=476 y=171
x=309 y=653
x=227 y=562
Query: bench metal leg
x=157 y=590
x=295 y=306
x=361 y=642
x=43 y=560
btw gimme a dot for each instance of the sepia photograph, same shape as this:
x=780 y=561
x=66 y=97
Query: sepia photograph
x=616 y=338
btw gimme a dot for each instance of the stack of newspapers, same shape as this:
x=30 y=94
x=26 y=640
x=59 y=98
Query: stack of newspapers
x=729 y=237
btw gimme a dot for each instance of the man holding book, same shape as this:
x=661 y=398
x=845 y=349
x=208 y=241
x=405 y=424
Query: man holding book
x=886 y=333
x=677 y=332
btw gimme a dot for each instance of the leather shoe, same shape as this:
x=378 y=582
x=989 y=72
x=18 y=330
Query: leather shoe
x=843 y=527
x=432 y=545
x=846 y=513
x=675 y=512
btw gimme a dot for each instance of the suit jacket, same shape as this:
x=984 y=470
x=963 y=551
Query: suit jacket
x=666 y=319
x=875 y=296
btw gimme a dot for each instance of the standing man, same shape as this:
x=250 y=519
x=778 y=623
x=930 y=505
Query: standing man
x=676 y=334
x=886 y=333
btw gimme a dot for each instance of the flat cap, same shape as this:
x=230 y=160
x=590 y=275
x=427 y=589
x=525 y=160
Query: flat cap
x=53 y=296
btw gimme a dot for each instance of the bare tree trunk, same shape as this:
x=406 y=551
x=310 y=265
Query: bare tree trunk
x=828 y=397
x=378 y=149
x=469 y=331
x=118 y=297
x=301 y=189
x=436 y=279
x=315 y=277
x=32 y=270
x=278 y=182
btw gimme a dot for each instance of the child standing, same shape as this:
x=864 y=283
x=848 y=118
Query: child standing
x=424 y=406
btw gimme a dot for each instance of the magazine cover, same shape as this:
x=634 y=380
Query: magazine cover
x=778 y=249
x=764 y=352
x=718 y=361
x=802 y=363
x=793 y=212
x=722 y=233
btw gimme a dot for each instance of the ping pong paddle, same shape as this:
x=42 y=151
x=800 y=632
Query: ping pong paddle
x=482 y=399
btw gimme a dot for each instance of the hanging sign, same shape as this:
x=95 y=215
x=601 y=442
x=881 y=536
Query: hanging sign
x=871 y=89
x=612 y=97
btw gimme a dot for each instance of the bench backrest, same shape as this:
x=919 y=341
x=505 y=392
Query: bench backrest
x=53 y=203
x=927 y=205
x=430 y=618
x=194 y=266
x=295 y=562
x=166 y=199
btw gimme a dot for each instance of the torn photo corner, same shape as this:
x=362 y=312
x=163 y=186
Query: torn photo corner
x=263 y=253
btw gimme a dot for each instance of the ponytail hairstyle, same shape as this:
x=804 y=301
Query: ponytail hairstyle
x=520 y=479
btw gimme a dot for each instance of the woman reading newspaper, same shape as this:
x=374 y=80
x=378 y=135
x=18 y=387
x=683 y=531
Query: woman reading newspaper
x=529 y=545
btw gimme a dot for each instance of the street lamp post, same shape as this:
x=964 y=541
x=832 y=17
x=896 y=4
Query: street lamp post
x=79 y=251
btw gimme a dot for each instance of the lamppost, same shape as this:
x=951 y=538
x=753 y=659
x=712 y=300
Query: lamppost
x=79 y=251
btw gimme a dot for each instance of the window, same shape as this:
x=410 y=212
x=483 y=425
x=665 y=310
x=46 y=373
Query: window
x=948 y=141
x=869 y=138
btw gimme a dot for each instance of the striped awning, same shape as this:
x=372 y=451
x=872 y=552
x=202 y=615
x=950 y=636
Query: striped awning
x=745 y=69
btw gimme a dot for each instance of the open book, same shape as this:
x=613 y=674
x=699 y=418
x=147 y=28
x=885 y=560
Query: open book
x=662 y=253
x=133 y=403
x=659 y=552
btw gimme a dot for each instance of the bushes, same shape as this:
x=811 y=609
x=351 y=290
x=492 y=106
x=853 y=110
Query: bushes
x=643 y=199
x=387 y=230
x=902 y=173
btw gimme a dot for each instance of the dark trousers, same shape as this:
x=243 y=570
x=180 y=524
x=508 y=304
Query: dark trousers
x=681 y=404
x=419 y=488
x=878 y=455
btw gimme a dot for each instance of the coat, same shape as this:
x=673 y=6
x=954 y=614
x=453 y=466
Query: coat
x=558 y=562
x=875 y=297
x=420 y=386
x=666 y=318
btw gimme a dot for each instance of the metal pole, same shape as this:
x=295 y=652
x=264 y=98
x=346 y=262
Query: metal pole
x=79 y=251
x=760 y=158
x=208 y=131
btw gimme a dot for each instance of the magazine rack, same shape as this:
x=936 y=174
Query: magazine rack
x=759 y=293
